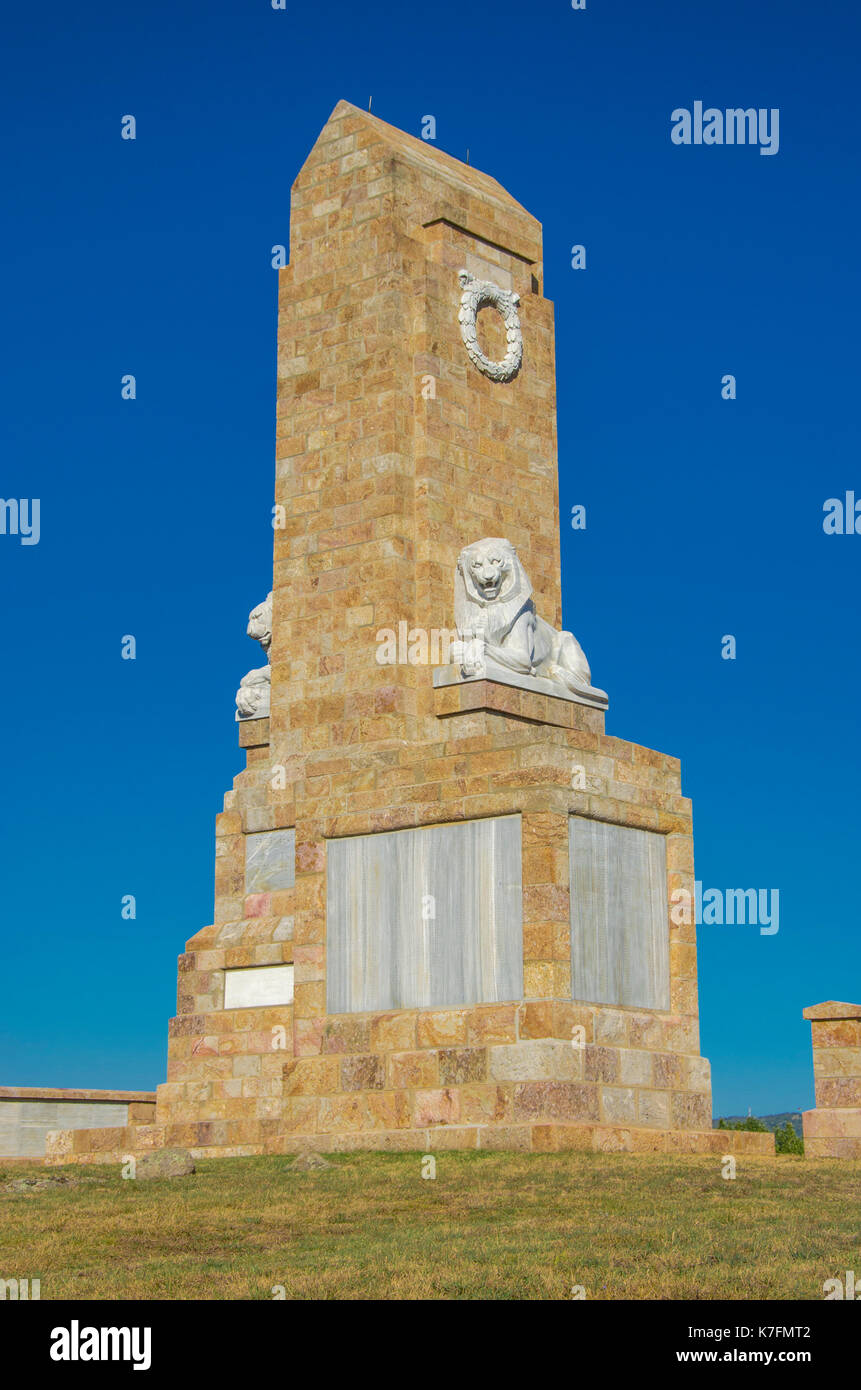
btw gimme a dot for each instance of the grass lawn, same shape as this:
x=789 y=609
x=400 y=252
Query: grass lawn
x=490 y=1226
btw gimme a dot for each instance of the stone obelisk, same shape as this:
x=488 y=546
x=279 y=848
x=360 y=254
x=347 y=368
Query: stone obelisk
x=445 y=899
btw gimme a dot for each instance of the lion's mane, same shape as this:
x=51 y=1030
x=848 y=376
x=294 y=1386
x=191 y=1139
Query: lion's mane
x=500 y=612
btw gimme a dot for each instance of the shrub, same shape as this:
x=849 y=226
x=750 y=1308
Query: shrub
x=786 y=1141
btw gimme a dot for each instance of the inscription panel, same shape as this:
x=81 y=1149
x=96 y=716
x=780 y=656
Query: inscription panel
x=620 y=950
x=425 y=918
x=258 y=986
x=270 y=861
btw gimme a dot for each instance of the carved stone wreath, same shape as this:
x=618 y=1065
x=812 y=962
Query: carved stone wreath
x=477 y=293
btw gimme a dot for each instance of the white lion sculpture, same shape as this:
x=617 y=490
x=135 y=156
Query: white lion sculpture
x=252 y=697
x=497 y=623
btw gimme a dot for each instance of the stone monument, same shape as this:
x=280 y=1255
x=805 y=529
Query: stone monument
x=443 y=895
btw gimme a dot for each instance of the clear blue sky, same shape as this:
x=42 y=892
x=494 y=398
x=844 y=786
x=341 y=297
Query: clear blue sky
x=704 y=515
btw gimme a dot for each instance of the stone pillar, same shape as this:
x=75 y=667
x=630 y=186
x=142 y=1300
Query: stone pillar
x=833 y=1129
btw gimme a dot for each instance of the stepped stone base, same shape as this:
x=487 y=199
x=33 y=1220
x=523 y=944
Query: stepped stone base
x=536 y=1075
x=111 y=1146
x=533 y=1077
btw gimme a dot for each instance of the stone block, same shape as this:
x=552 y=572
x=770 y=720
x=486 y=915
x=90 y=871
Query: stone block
x=343 y=1114
x=553 y=1138
x=311 y=1076
x=619 y=1105
x=448 y=1137
x=835 y=1061
x=607 y=1139
x=363 y=1072
x=825 y=1123
x=545 y=1059
x=654 y=1109
x=838 y=1092
x=844 y=1032
x=635 y=1067
x=393 y=1032
x=697 y=1074
x=436 y=1107
x=833 y=1148
x=389 y=1110
x=555 y=1100
x=600 y=1063
x=457 y=1065
x=647 y=1031
x=492 y=1024
x=412 y=1071
x=667 y=1073
x=648 y=1141
x=346 y=1035
x=484 y=1104
x=611 y=1028
x=535 y=1020
x=441 y=1028
x=505 y=1137
x=691 y=1110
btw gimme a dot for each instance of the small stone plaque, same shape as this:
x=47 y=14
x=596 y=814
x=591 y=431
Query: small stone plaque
x=270 y=861
x=258 y=986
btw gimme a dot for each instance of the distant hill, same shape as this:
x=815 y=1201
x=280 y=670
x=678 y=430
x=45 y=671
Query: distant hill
x=771 y=1122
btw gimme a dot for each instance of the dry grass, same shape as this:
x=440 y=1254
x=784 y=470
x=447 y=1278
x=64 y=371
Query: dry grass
x=490 y=1226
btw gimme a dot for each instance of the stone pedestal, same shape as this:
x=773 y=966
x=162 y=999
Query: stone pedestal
x=551 y=1068
x=833 y=1129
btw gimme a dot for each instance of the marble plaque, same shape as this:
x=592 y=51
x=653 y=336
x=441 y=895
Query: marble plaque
x=425 y=918
x=270 y=861
x=258 y=986
x=620 y=950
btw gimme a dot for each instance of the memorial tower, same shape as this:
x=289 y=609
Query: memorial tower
x=450 y=909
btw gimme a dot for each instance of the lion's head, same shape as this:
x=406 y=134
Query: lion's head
x=260 y=623
x=489 y=577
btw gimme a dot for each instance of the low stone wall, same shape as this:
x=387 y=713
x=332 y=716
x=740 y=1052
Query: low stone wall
x=29 y=1113
x=833 y=1129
